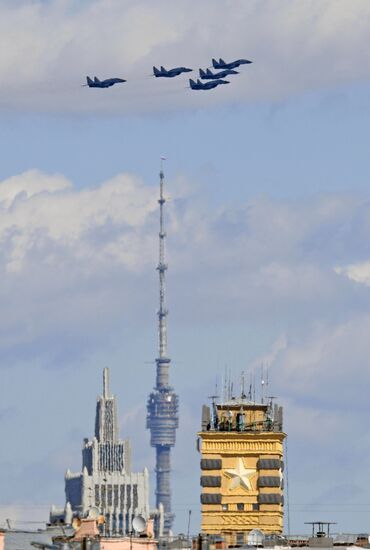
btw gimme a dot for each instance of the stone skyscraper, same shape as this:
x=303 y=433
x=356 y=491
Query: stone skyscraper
x=106 y=481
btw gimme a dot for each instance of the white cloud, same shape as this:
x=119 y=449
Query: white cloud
x=330 y=364
x=67 y=253
x=358 y=272
x=269 y=357
x=47 y=48
x=58 y=244
x=39 y=210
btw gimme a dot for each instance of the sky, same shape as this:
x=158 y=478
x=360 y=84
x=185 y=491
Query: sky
x=268 y=228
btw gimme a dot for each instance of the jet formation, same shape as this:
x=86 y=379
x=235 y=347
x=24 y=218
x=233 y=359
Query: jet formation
x=214 y=79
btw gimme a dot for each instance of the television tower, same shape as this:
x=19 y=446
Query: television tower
x=163 y=403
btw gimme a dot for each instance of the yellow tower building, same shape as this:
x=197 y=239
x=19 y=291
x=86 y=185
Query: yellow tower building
x=241 y=446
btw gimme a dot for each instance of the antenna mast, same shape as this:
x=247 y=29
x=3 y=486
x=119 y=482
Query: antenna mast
x=162 y=418
x=162 y=268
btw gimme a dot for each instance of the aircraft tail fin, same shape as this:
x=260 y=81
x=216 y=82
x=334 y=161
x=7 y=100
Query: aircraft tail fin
x=162 y=68
x=201 y=73
x=214 y=63
x=222 y=61
x=89 y=81
x=155 y=71
x=96 y=80
x=191 y=82
x=209 y=71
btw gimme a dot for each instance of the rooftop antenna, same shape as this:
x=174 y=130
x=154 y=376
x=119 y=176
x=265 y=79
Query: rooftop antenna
x=270 y=409
x=250 y=387
x=222 y=389
x=320 y=526
x=214 y=420
x=227 y=384
x=189 y=518
x=242 y=386
x=213 y=397
x=262 y=384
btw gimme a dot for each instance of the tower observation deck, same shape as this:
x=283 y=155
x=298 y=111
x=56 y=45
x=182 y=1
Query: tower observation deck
x=162 y=408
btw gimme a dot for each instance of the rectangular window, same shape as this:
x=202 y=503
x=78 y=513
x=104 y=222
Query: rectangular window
x=110 y=500
x=255 y=506
x=97 y=496
x=225 y=507
x=115 y=491
x=240 y=506
x=122 y=497
x=240 y=538
x=128 y=497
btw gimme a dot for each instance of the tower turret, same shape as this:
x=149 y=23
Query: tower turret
x=162 y=419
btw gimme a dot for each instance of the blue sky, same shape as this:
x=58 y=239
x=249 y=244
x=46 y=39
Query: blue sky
x=268 y=235
x=291 y=148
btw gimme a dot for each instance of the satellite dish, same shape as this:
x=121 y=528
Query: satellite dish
x=139 y=524
x=93 y=513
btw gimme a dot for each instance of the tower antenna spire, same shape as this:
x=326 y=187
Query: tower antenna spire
x=162 y=418
x=162 y=268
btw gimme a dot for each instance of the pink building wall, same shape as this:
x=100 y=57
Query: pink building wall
x=89 y=529
x=127 y=543
x=2 y=540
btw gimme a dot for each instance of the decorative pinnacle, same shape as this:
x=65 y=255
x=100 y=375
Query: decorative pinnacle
x=106 y=383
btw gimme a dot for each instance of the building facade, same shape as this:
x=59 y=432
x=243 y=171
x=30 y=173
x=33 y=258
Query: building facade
x=241 y=446
x=106 y=482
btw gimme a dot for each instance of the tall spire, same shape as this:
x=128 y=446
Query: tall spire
x=106 y=383
x=106 y=420
x=162 y=268
x=162 y=419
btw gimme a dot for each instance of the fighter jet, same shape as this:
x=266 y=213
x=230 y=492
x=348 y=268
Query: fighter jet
x=171 y=72
x=198 y=85
x=221 y=64
x=209 y=75
x=107 y=83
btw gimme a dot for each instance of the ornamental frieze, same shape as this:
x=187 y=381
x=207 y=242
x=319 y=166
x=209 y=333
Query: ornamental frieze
x=240 y=446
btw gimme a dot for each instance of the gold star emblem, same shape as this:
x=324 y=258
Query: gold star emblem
x=240 y=476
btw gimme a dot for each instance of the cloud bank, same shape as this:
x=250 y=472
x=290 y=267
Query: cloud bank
x=70 y=258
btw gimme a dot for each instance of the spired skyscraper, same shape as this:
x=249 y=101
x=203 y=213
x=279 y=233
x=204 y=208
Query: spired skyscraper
x=106 y=481
x=162 y=419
